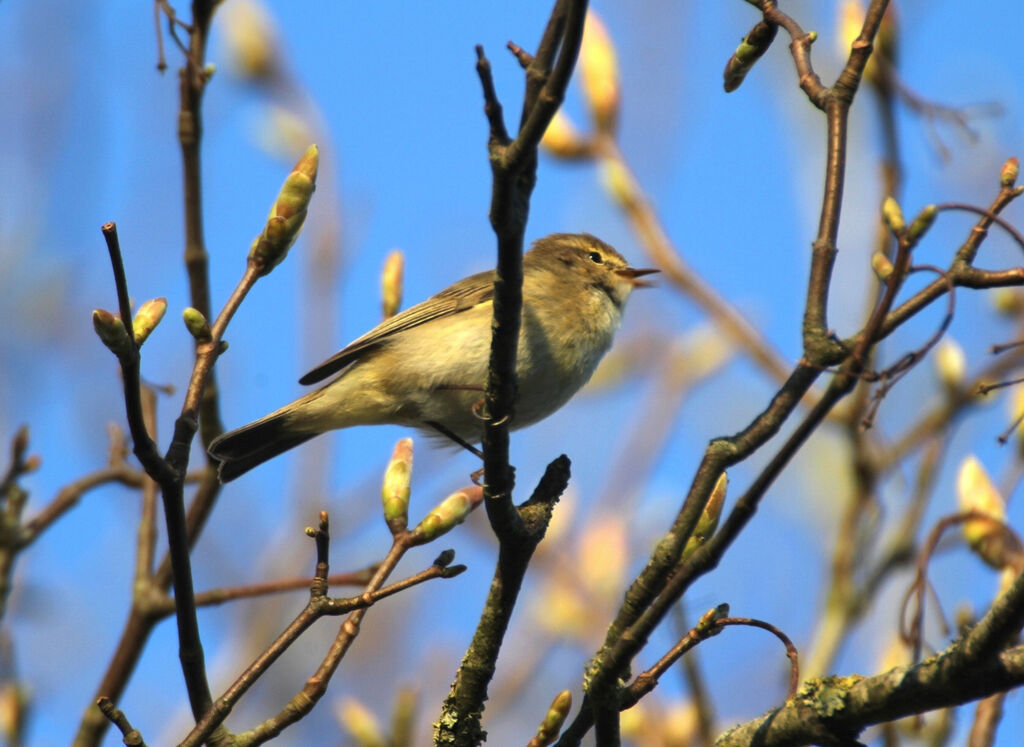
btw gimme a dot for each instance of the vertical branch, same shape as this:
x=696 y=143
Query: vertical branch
x=192 y=83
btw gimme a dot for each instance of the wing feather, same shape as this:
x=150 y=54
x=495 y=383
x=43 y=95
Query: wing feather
x=465 y=294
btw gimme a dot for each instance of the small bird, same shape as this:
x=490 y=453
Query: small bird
x=427 y=366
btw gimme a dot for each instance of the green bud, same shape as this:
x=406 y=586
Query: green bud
x=450 y=512
x=882 y=266
x=1009 y=173
x=395 y=490
x=706 y=625
x=147 y=317
x=749 y=51
x=892 y=214
x=287 y=214
x=196 y=324
x=922 y=222
x=111 y=331
x=558 y=711
x=708 y=521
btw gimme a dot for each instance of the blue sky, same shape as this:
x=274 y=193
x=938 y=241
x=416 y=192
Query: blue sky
x=87 y=136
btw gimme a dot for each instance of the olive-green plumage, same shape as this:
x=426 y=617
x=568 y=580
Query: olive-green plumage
x=427 y=366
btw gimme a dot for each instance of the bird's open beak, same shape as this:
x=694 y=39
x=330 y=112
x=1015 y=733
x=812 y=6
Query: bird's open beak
x=633 y=276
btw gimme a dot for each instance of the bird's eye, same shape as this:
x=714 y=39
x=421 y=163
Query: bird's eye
x=596 y=257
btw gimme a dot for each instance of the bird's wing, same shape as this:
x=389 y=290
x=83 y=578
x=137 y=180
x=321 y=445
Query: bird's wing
x=465 y=294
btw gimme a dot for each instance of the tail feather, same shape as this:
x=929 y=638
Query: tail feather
x=240 y=450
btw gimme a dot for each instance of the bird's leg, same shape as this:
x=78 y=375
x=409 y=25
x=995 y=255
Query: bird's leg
x=448 y=434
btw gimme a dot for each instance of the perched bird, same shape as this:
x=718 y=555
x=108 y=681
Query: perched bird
x=427 y=366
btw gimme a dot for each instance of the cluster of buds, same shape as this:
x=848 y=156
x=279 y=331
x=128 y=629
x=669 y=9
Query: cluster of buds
x=892 y=215
x=111 y=330
x=287 y=214
x=396 y=489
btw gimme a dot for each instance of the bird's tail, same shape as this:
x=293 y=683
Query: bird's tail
x=240 y=450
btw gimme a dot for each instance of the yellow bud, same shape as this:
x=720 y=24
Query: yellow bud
x=450 y=512
x=14 y=705
x=1007 y=301
x=250 y=40
x=395 y=489
x=1009 y=173
x=950 y=363
x=196 y=324
x=561 y=138
x=553 y=719
x=619 y=182
x=362 y=726
x=599 y=73
x=561 y=610
x=851 y=20
x=391 y=283
x=1016 y=406
x=882 y=266
x=147 y=317
x=989 y=538
x=634 y=722
x=287 y=214
x=603 y=557
x=708 y=521
x=892 y=214
x=111 y=331
x=681 y=723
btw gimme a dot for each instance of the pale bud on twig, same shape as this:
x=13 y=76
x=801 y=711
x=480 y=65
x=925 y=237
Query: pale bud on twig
x=892 y=214
x=450 y=512
x=989 y=537
x=251 y=41
x=146 y=319
x=1007 y=301
x=882 y=266
x=558 y=711
x=1009 y=173
x=922 y=222
x=196 y=324
x=950 y=363
x=391 y=283
x=362 y=726
x=708 y=521
x=395 y=489
x=287 y=214
x=111 y=331
x=561 y=138
x=599 y=73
